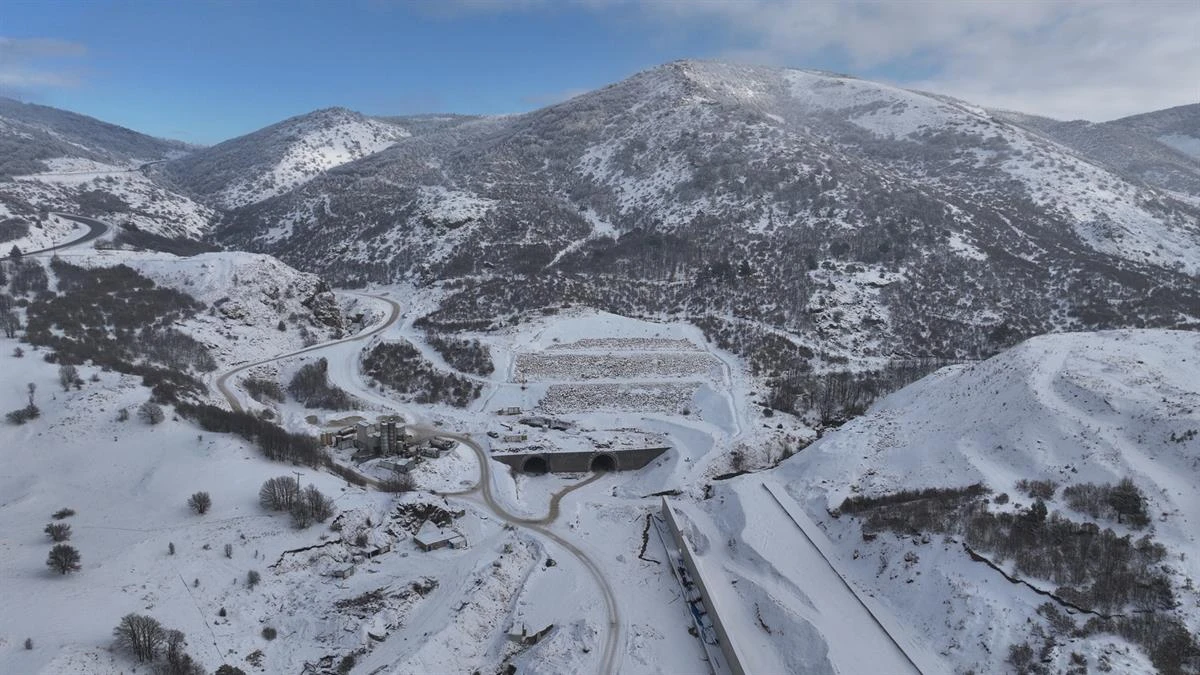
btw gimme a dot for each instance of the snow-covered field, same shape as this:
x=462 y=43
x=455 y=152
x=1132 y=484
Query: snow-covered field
x=552 y=552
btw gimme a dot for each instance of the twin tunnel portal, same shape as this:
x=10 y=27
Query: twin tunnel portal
x=535 y=461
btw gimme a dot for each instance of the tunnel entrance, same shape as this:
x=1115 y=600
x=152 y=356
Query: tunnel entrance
x=535 y=465
x=604 y=463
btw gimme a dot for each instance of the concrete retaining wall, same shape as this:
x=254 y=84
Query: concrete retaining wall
x=728 y=648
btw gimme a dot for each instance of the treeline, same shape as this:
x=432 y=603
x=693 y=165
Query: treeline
x=1123 y=502
x=275 y=442
x=118 y=319
x=27 y=276
x=465 y=356
x=938 y=497
x=13 y=228
x=131 y=237
x=836 y=397
x=310 y=385
x=400 y=366
x=261 y=388
x=1091 y=568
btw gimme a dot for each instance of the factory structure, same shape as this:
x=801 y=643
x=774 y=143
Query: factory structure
x=389 y=438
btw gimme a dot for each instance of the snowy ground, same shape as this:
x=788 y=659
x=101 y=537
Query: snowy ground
x=1069 y=408
x=130 y=197
x=541 y=549
x=52 y=232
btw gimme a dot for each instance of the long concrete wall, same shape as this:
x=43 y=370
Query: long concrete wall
x=579 y=462
x=728 y=648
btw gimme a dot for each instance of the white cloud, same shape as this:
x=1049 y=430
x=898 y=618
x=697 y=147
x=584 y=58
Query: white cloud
x=33 y=63
x=1093 y=59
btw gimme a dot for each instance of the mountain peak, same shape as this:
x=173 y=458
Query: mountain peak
x=278 y=158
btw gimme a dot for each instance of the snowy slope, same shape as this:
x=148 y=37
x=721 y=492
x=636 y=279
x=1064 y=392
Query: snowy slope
x=35 y=133
x=861 y=217
x=131 y=510
x=1160 y=148
x=1177 y=127
x=248 y=295
x=1069 y=408
x=278 y=158
x=59 y=160
x=121 y=195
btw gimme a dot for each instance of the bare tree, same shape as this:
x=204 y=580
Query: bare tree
x=10 y=324
x=302 y=515
x=200 y=502
x=63 y=558
x=67 y=376
x=58 y=531
x=311 y=506
x=398 y=482
x=151 y=413
x=320 y=505
x=140 y=634
x=279 y=494
x=178 y=661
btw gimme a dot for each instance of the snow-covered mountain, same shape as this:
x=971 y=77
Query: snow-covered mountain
x=52 y=159
x=1161 y=148
x=277 y=159
x=1065 y=411
x=1177 y=127
x=861 y=218
x=31 y=134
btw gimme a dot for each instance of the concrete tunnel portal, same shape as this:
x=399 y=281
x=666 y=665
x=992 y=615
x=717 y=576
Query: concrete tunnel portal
x=541 y=462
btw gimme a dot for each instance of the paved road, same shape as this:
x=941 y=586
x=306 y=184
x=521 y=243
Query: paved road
x=608 y=660
x=95 y=229
x=223 y=380
x=609 y=656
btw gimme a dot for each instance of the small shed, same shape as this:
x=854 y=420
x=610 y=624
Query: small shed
x=344 y=572
x=431 y=537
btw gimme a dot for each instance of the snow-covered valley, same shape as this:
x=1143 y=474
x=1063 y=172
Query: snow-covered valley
x=718 y=369
x=1073 y=409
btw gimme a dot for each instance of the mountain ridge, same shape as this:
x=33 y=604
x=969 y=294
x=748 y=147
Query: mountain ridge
x=865 y=220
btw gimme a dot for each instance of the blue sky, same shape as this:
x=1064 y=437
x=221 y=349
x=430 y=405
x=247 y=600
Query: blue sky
x=207 y=71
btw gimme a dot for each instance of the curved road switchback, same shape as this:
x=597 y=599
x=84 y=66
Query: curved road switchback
x=223 y=380
x=608 y=660
x=609 y=654
x=96 y=228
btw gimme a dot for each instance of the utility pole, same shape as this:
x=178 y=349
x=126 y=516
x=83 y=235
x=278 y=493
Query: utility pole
x=297 y=480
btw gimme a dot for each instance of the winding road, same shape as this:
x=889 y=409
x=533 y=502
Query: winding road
x=95 y=229
x=609 y=656
x=222 y=382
